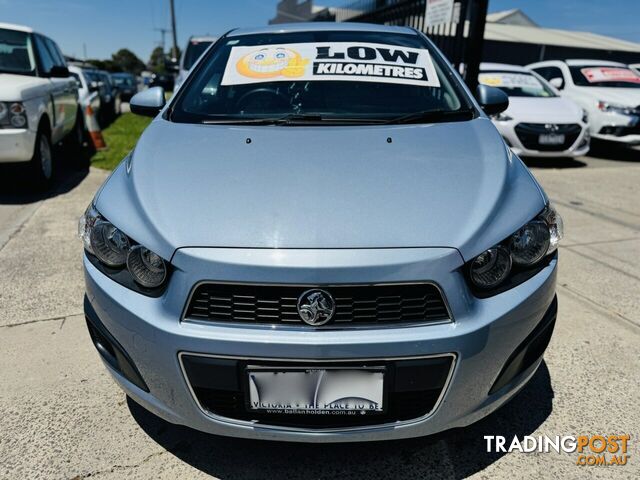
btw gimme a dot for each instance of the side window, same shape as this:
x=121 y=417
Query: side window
x=549 y=73
x=76 y=77
x=45 y=58
x=58 y=58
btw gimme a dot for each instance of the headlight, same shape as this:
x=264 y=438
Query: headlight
x=530 y=243
x=119 y=257
x=147 y=268
x=520 y=255
x=109 y=244
x=13 y=114
x=491 y=267
x=616 y=108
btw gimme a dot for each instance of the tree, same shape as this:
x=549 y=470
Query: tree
x=127 y=61
x=156 y=61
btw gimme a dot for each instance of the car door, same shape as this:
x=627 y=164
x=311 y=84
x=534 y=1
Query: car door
x=70 y=99
x=57 y=89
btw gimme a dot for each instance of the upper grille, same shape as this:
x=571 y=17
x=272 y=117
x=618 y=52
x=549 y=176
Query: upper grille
x=277 y=304
x=529 y=135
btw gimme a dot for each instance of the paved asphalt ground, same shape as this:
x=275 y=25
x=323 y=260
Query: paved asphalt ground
x=62 y=417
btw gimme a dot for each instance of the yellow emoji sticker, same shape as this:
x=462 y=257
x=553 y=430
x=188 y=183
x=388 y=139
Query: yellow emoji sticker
x=272 y=62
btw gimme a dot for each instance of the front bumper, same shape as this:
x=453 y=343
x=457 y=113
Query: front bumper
x=578 y=148
x=482 y=336
x=16 y=144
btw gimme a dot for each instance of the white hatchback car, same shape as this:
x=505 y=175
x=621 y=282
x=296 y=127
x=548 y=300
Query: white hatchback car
x=608 y=91
x=538 y=122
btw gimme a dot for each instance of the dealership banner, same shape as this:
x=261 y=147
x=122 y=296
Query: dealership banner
x=343 y=61
x=610 y=74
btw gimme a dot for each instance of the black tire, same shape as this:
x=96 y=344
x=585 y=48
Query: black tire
x=40 y=167
x=75 y=144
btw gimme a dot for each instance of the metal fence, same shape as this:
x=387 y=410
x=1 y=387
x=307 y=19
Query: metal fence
x=459 y=39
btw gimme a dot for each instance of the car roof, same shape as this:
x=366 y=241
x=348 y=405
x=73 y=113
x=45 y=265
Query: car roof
x=580 y=62
x=485 y=66
x=321 y=27
x=13 y=26
x=202 y=38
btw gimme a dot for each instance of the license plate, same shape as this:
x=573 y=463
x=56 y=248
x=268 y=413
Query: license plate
x=551 y=139
x=306 y=391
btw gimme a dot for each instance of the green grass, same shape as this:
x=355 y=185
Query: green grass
x=120 y=137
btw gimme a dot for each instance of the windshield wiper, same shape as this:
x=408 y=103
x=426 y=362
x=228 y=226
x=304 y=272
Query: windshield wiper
x=293 y=119
x=433 y=116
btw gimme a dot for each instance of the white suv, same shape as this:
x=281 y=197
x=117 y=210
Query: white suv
x=608 y=91
x=38 y=101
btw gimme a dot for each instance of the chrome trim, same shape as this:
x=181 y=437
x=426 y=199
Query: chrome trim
x=305 y=327
x=244 y=423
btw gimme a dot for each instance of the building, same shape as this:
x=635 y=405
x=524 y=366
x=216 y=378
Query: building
x=290 y=11
x=512 y=37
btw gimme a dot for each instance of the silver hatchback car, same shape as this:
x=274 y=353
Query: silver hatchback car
x=321 y=238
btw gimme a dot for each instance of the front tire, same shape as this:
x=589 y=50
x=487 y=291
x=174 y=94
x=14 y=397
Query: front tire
x=41 y=164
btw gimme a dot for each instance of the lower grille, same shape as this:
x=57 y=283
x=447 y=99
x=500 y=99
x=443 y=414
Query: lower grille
x=277 y=304
x=529 y=135
x=620 y=131
x=413 y=388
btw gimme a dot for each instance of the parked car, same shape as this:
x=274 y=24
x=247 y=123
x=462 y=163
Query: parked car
x=112 y=100
x=608 y=91
x=322 y=237
x=38 y=101
x=87 y=90
x=538 y=122
x=164 y=80
x=196 y=46
x=126 y=83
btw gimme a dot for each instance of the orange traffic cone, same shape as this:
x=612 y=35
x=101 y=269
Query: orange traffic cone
x=94 y=130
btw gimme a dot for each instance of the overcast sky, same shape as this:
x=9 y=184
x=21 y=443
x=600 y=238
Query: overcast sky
x=104 y=26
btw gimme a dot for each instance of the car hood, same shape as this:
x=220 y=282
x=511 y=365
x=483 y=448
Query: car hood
x=622 y=96
x=544 y=110
x=19 y=88
x=441 y=185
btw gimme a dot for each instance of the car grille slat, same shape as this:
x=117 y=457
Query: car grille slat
x=355 y=304
x=529 y=135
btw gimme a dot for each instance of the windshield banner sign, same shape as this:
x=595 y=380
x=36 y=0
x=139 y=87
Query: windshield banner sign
x=342 y=61
x=510 y=80
x=610 y=74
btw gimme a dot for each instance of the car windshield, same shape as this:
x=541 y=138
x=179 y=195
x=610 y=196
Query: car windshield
x=516 y=84
x=354 y=76
x=604 y=76
x=16 y=53
x=193 y=52
x=122 y=80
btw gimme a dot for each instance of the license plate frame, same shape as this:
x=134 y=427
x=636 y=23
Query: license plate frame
x=550 y=139
x=379 y=372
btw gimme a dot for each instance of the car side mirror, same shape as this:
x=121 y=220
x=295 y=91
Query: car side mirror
x=492 y=99
x=149 y=102
x=58 y=71
x=557 y=82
